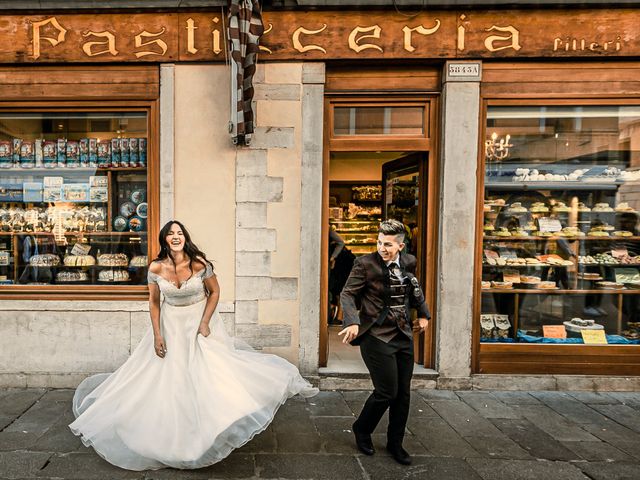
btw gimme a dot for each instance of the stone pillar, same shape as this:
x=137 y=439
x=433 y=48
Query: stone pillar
x=458 y=167
x=313 y=79
x=167 y=141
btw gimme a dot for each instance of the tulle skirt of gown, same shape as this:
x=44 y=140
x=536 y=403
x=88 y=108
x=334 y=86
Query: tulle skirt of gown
x=190 y=409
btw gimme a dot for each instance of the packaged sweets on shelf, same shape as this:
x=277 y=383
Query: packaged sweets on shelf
x=83 y=152
x=37 y=144
x=115 y=152
x=62 y=152
x=93 y=152
x=104 y=154
x=73 y=154
x=17 y=143
x=142 y=149
x=133 y=152
x=6 y=154
x=49 y=154
x=27 y=154
x=124 y=152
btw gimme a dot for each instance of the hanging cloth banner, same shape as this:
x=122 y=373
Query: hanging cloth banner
x=245 y=30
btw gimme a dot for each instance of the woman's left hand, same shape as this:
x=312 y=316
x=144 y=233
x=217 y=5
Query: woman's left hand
x=204 y=330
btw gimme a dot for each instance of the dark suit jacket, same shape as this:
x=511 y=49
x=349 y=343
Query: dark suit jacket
x=364 y=298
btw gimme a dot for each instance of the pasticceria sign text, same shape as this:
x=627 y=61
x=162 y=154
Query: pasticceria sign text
x=322 y=35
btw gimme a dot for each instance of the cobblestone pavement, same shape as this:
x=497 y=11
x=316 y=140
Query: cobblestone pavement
x=451 y=435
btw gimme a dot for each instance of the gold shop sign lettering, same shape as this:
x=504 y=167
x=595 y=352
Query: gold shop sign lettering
x=323 y=35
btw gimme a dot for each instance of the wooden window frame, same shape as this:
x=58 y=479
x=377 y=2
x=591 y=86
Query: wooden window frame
x=99 y=292
x=522 y=358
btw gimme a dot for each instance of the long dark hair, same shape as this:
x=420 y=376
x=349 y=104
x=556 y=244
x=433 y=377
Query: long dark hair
x=190 y=248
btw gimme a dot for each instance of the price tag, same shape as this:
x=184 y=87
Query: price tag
x=594 y=337
x=81 y=249
x=4 y=258
x=508 y=254
x=554 y=331
x=549 y=224
x=491 y=254
x=619 y=252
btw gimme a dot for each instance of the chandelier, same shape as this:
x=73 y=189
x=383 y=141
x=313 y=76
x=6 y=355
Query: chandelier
x=497 y=149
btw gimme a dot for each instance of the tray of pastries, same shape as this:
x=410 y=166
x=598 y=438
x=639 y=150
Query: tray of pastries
x=79 y=260
x=45 y=260
x=139 y=261
x=75 y=276
x=502 y=285
x=113 y=276
x=610 y=285
x=113 y=260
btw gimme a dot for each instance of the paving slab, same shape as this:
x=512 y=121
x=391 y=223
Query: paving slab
x=571 y=408
x=17 y=440
x=611 y=471
x=85 y=466
x=438 y=395
x=628 y=398
x=15 y=402
x=328 y=404
x=301 y=442
x=538 y=443
x=265 y=442
x=498 y=447
x=598 y=452
x=515 y=398
x=422 y=468
x=59 y=437
x=487 y=405
x=465 y=420
x=618 y=436
x=441 y=440
x=39 y=418
x=623 y=414
x=21 y=464
x=235 y=466
x=304 y=466
x=490 y=469
x=595 y=398
x=554 y=424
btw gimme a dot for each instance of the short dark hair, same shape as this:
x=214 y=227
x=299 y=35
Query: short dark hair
x=393 y=227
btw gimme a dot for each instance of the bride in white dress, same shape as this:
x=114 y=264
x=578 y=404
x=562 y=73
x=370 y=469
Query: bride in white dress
x=189 y=394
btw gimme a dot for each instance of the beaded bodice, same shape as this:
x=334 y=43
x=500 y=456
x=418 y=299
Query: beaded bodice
x=188 y=292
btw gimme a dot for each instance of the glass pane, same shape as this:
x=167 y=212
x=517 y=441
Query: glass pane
x=73 y=198
x=561 y=249
x=379 y=120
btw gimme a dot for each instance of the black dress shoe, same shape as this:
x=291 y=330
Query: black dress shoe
x=363 y=442
x=399 y=454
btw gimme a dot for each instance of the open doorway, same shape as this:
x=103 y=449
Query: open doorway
x=364 y=189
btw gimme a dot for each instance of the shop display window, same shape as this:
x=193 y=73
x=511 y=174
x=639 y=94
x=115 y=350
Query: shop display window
x=73 y=198
x=561 y=239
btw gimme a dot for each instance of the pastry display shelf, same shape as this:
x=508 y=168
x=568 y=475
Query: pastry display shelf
x=529 y=265
x=492 y=185
x=66 y=170
x=558 y=291
x=77 y=234
x=94 y=267
x=532 y=238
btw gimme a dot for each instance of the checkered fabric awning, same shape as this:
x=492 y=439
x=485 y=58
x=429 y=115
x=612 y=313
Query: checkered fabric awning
x=245 y=30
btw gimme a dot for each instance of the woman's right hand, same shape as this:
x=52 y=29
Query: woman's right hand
x=160 y=347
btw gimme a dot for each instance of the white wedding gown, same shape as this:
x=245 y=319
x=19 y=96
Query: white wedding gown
x=208 y=396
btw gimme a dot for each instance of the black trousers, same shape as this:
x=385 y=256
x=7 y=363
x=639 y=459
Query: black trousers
x=391 y=367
